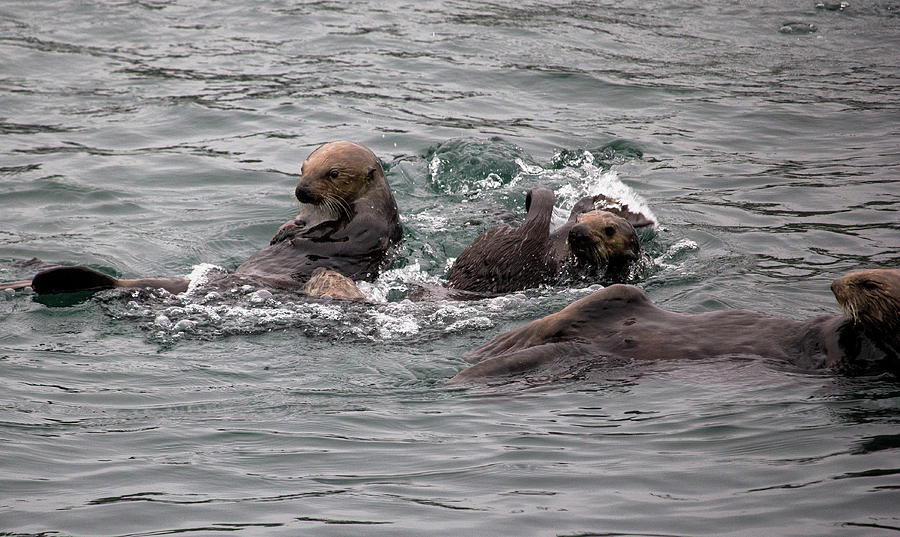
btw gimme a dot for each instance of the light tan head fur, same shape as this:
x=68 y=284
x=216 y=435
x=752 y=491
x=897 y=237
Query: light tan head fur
x=336 y=174
x=871 y=298
x=601 y=236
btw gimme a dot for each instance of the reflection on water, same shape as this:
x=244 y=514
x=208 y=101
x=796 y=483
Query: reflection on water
x=156 y=137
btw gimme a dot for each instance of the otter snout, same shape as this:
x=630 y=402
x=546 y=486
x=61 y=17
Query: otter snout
x=837 y=288
x=305 y=194
x=580 y=234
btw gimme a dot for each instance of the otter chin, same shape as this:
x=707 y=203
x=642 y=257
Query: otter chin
x=621 y=323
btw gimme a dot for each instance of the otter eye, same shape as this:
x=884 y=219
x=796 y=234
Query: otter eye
x=333 y=174
x=609 y=231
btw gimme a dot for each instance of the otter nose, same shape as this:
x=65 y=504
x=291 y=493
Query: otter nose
x=304 y=194
x=579 y=234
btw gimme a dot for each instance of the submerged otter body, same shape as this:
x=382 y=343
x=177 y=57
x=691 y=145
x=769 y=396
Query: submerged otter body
x=594 y=242
x=621 y=322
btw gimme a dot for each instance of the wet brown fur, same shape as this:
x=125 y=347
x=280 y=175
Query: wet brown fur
x=348 y=220
x=506 y=259
x=871 y=298
x=603 y=239
x=620 y=322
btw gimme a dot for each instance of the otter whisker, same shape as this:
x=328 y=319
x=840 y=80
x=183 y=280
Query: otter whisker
x=343 y=205
x=333 y=210
x=328 y=202
x=850 y=311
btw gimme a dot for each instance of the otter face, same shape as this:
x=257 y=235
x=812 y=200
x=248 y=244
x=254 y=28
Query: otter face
x=336 y=174
x=871 y=298
x=601 y=237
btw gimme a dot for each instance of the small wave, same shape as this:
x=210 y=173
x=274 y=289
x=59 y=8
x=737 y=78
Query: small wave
x=473 y=165
x=589 y=180
x=668 y=259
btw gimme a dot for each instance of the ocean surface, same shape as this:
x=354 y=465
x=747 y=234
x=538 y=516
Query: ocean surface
x=164 y=137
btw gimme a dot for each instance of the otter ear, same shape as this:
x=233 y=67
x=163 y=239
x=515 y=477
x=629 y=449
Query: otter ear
x=371 y=174
x=528 y=201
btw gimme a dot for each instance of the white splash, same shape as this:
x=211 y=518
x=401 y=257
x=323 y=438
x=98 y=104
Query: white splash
x=429 y=222
x=200 y=275
x=529 y=169
x=472 y=323
x=589 y=180
x=491 y=181
x=400 y=279
x=667 y=259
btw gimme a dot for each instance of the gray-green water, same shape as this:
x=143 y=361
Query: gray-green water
x=153 y=137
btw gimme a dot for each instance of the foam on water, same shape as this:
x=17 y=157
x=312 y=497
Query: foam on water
x=247 y=309
x=668 y=259
x=399 y=280
x=391 y=321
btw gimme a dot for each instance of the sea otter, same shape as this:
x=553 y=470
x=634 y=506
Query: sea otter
x=347 y=224
x=620 y=322
x=348 y=221
x=506 y=259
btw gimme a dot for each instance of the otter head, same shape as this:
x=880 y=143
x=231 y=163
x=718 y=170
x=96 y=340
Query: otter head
x=871 y=299
x=600 y=237
x=336 y=174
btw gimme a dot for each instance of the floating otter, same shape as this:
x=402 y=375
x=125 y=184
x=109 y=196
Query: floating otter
x=347 y=224
x=620 y=322
x=348 y=221
x=506 y=259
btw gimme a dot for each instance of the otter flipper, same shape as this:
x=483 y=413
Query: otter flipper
x=505 y=259
x=79 y=278
x=560 y=356
x=71 y=279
